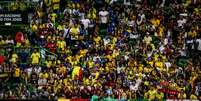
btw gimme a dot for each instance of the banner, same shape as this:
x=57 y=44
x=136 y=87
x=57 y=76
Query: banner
x=13 y=17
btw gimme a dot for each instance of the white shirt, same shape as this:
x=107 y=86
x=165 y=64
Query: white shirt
x=199 y=44
x=112 y=1
x=132 y=36
x=38 y=70
x=126 y=57
x=181 y=22
x=75 y=11
x=165 y=41
x=106 y=41
x=142 y=17
x=149 y=54
x=42 y=82
x=182 y=52
x=118 y=69
x=131 y=23
x=103 y=16
x=161 y=48
x=163 y=3
x=82 y=15
x=147 y=39
x=138 y=82
x=29 y=70
x=168 y=65
x=9 y=42
x=85 y=22
x=95 y=58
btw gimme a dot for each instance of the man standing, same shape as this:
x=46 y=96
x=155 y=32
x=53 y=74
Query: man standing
x=35 y=56
x=198 y=41
x=103 y=15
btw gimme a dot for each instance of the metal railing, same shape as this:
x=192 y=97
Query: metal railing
x=28 y=50
x=6 y=4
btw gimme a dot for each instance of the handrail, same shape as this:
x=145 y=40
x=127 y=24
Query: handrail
x=29 y=53
x=36 y=47
x=28 y=4
x=10 y=1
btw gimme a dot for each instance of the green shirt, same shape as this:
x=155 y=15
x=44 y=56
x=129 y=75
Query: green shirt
x=94 y=98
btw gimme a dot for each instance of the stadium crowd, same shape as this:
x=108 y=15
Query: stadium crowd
x=105 y=50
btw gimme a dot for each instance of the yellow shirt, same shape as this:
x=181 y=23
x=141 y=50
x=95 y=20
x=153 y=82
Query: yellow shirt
x=40 y=14
x=14 y=58
x=146 y=70
x=2 y=42
x=86 y=81
x=56 y=4
x=155 y=58
x=151 y=63
x=140 y=68
x=192 y=34
x=73 y=63
x=146 y=83
x=159 y=64
x=48 y=2
x=112 y=46
x=180 y=96
x=35 y=58
x=54 y=16
x=75 y=72
x=97 y=39
x=17 y=72
x=78 y=57
x=27 y=43
x=61 y=45
x=160 y=96
x=69 y=58
x=74 y=32
x=60 y=27
x=193 y=97
x=92 y=14
x=161 y=31
x=91 y=64
x=155 y=22
x=48 y=64
x=65 y=81
x=63 y=99
x=83 y=52
x=14 y=5
x=115 y=54
x=63 y=69
x=97 y=75
x=34 y=27
x=46 y=75
x=152 y=94
x=188 y=2
x=109 y=57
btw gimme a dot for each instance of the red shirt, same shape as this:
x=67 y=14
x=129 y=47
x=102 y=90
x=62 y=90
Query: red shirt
x=79 y=99
x=51 y=46
x=19 y=37
x=1 y=59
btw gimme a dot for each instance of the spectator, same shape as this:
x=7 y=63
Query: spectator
x=35 y=57
x=105 y=50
